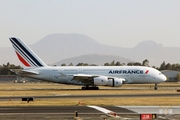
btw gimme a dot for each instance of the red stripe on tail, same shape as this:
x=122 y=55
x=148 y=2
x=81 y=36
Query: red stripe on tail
x=23 y=60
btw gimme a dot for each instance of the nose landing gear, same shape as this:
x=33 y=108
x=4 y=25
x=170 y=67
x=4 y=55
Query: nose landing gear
x=155 y=87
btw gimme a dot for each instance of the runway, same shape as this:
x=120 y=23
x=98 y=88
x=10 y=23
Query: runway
x=64 y=110
x=68 y=112
x=87 y=109
x=86 y=112
x=91 y=96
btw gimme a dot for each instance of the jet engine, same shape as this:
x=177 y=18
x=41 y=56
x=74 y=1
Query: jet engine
x=115 y=82
x=102 y=80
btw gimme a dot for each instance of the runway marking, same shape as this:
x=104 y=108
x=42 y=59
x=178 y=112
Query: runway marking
x=106 y=111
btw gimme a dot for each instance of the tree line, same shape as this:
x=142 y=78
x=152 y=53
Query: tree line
x=113 y=63
x=6 y=69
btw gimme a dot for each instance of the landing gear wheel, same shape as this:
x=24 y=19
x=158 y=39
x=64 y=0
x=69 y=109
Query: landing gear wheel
x=96 y=88
x=155 y=88
x=83 y=88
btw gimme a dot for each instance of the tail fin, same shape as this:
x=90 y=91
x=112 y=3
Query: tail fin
x=27 y=57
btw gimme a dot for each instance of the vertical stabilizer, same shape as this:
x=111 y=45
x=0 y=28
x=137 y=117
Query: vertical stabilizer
x=27 y=57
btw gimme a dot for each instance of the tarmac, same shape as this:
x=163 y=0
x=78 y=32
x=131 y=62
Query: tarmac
x=84 y=112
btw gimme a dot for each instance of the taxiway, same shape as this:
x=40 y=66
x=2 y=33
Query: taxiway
x=92 y=96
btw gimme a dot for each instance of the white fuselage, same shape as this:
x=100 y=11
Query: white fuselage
x=131 y=74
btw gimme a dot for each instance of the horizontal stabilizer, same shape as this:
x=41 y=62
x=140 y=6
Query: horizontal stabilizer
x=21 y=71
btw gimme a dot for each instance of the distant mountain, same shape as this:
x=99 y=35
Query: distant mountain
x=155 y=53
x=93 y=59
x=57 y=47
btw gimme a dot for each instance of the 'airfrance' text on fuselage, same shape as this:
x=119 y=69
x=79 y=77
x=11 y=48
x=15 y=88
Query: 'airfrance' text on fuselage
x=126 y=72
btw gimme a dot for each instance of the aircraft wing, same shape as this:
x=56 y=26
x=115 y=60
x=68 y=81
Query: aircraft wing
x=84 y=78
x=88 y=79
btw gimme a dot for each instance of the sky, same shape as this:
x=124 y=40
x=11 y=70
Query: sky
x=122 y=23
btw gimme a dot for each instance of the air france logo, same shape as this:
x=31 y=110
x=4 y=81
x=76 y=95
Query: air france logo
x=127 y=72
x=146 y=71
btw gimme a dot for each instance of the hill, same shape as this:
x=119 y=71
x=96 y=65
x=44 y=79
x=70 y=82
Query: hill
x=96 y=59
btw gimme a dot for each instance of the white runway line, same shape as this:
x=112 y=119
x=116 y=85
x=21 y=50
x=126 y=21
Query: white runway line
x=106 y=111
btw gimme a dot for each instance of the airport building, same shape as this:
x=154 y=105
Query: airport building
x=171 y=75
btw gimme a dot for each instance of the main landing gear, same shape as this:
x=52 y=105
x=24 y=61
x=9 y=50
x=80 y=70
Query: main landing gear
x=155 y=87
x=90 y=88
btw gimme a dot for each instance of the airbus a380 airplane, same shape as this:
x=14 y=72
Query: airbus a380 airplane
x=88 y=76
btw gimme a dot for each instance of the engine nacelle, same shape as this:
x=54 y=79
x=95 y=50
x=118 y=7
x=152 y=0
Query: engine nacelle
x=102 y=80
x=115 y=82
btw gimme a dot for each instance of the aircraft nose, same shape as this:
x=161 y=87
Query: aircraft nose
x=163 y=78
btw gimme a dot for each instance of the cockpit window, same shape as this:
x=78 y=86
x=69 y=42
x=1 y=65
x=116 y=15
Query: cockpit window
x=160 y=73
